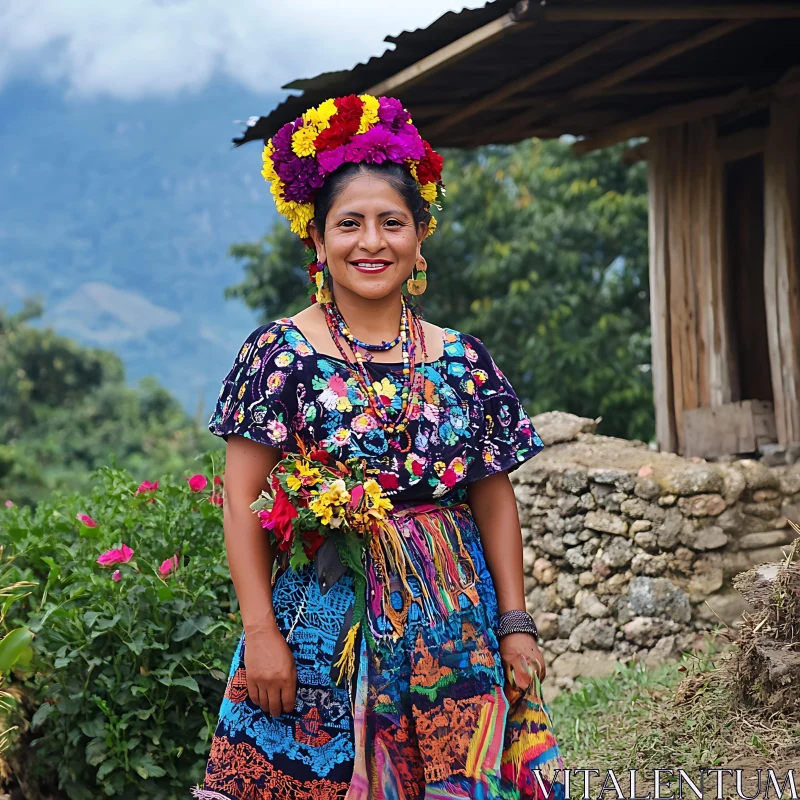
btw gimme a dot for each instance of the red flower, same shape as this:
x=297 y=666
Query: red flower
x=312 y=542
x=217 y=480
x=197 y=482
x=318 y=454
x=388 y=481
x=344 y=123
x=449 y=478
x=416 y=468
x=429 y=170
x=279 y=519
x=216 y=499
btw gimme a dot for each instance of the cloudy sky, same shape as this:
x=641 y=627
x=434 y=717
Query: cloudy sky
x=131 y=49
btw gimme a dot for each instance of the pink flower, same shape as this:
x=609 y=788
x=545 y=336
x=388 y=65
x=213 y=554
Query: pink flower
x=197 y=483
x=9 y=504
x=217 y=480
x=216 y=499
x=117 y=576
x=167 y=566
x=87 y=520
x=119 y=555
x=146 y=486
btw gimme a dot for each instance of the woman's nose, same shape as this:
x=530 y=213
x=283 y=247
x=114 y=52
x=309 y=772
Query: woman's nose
x=372 y=238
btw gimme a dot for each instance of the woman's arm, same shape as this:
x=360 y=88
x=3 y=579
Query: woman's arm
x=271 y=675
x=494 y=508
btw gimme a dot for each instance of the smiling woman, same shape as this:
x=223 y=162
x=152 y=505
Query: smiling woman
x=414 y=671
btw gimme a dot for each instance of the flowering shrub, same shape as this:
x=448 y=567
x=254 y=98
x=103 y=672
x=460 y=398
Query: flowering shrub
x=135 y=624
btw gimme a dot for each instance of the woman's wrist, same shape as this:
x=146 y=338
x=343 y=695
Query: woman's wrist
x=516 y=621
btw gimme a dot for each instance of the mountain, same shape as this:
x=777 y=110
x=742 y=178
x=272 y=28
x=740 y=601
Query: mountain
x=119 y=215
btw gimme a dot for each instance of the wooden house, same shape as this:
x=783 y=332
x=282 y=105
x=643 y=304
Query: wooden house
x=715 y=89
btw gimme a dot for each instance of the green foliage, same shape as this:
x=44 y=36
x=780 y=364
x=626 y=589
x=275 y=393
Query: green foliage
x=65 y=410
x=541 y=254
x=129 y=673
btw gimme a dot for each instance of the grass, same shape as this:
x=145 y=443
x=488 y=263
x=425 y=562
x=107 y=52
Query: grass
x=677 y=715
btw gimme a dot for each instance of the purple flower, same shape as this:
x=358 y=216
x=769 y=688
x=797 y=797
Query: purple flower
x=370 y=147
x=282 y=140
x=331 y=160
x=406 y=144
x=392 y=113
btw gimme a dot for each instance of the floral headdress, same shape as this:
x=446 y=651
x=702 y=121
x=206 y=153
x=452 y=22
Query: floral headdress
x=363 y=129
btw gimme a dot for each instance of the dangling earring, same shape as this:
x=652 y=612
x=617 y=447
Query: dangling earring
x=323 y=292
x=418 y=282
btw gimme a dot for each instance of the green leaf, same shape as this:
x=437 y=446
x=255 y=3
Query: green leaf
x=164 y=594
x=188 y=682
x=96 y=751
x=106 y=768
x=12 y=647
x=105 y=623
x=185 y=630
x=94 y=728
x=146 y=767
x=42 y=713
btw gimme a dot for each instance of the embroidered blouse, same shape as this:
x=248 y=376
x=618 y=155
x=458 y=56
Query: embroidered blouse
x=468 y=422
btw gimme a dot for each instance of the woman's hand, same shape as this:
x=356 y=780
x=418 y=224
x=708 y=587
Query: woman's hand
x=521 y=658
x=271 y=672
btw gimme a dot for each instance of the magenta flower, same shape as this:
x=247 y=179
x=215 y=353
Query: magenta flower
x=217 y=480
x=87 y=520
x=117 y=576
x=216 y=499
x=147 y=486
x=168 y=566
x=119 y=555
x=197 y=483
x=9 y=504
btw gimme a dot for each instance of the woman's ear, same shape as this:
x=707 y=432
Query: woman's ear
x=319 y=243
x=422 y=231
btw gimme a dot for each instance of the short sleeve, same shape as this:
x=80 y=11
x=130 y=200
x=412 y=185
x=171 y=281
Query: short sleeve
x=503 y=431
x=258 y=399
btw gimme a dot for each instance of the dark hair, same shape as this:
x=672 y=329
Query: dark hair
x=396 y=175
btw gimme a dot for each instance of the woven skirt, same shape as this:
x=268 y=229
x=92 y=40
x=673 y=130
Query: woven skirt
x=424 y=715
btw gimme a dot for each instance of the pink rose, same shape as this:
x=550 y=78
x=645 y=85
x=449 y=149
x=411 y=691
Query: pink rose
x=87 y=520
x=117 y=576
x=216 y=499
x=168 y=566
x=146 y=486
x=119 y=555
x=217 y=480
x=9 y=504
x=197 y=483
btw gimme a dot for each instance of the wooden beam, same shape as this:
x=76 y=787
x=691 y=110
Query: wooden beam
x=600 y=13
x=671 y=115
x=538 y=75
x=450 y=54
x=617 y=76
x=675 y=85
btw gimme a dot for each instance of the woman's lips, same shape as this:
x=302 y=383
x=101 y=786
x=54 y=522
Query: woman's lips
x=370 y=267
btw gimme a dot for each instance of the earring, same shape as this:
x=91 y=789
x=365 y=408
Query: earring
x=323 y=292
x=418 y=282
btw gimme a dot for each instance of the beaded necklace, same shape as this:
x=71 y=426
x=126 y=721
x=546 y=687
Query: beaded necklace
x=339 y=330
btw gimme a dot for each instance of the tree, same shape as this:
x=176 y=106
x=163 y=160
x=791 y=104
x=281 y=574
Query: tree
x=65 y=411
x=541 y=254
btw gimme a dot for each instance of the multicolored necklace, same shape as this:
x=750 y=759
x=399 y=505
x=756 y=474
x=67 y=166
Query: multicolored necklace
x=339 y=330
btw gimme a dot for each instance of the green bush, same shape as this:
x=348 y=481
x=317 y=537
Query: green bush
x=130 y=666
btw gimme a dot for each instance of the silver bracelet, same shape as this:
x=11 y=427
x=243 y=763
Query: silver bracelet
x=516 y=621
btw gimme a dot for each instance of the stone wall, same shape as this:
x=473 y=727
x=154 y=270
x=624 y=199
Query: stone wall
x=629 y=553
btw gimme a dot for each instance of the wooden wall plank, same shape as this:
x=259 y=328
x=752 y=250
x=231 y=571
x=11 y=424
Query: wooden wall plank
x=782 y=263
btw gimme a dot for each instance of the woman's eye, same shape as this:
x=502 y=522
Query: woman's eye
x=348 y=223
x=393 y=222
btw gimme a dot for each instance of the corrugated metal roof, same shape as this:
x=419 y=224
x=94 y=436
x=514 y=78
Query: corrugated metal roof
x=753 y=55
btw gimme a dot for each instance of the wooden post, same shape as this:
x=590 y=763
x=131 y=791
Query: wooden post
x=782 y=263
x=657 y=177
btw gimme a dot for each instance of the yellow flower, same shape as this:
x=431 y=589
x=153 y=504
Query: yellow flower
x=344 y=404
x=385 y=388
x=323 y=292
x=369 y=116
x=322 y=510
x=304 y=475
x=338 y=493
x=431 y=227
x=303 y=141
x=428 y=192
x=378 y=503
x=320 y=116
x=269 y=168
x=333 y=499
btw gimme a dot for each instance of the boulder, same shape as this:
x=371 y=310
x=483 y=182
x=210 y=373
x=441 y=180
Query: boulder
x=647 y=564
x=705 y=582
x=658 y=597
x=646 y=631
x=615 y=476
x=757 y=475
x=604 y=522
x=696 y=479
x=590 y=664
x=617 y=553
x=555 y=427
x=589 y=605
x=753 y=541
x=646 y=488
x=709 y=537
x=702 y=505
x=566 y=586
x=595 y=634
x=547 y=624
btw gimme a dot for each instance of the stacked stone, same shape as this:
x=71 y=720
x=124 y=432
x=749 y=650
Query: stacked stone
x=625 y=563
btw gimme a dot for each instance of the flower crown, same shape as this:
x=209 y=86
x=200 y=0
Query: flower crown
x=363 y=129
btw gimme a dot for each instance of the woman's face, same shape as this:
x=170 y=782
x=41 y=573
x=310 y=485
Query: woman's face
x=370 y=242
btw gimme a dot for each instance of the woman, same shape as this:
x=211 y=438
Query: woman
x=445 y=701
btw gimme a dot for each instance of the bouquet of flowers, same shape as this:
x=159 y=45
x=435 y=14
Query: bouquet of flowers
x=315 y=498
